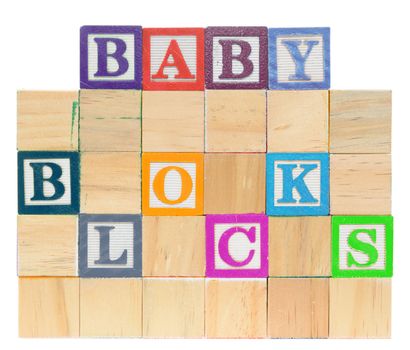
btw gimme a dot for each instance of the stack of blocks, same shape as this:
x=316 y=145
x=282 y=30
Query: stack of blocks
x=204 y=183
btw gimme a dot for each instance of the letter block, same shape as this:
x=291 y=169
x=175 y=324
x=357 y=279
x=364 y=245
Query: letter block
x=297 y=184
x=236 y=57
x=110 y=57
x=299 y=58
x=48 y=182
x=237 y=245
x=362 y=246
x=172 y=183
x=173 y=59
x=110 y=245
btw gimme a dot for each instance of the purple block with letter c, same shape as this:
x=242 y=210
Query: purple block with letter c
x=237 y=246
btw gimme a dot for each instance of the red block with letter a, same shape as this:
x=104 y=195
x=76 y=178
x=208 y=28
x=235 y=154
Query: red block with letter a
x=173 y=59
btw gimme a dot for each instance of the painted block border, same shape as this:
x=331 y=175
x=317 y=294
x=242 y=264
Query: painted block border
x=387 y=220
x=197 y=85
x=321 y=210
x=74 y=208
x=84 y=271
x=273 y=68
x=123 y=84
x=212 y=219
x=262 y=32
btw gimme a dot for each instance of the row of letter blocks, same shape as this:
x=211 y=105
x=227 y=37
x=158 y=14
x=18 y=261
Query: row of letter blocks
x=234 y=206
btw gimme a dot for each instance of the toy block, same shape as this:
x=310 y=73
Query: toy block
x=110 y=120
x=110 y=182
x=237 y=245
x=360 y=184
x=47 y=120
x=110 y=57
x=360 y=121
x=299 y=58
x=173 y=307
x=236 y=57
x=173 y=58
x=173 y=121
x=242 y=113
x=110 y=245
x=172 y=184
x=297 y=184
x=298 y=121
x=110 y=307
x=234 y=183
x=298 y=307
x=299 y=246
x=48 y=182
x=362 y=246
x=360 y=308
x=173 y=246
x=235 y=308
x=47 y=245
x=49 y=307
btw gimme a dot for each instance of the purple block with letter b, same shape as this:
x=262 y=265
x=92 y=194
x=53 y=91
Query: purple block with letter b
x=110 y=57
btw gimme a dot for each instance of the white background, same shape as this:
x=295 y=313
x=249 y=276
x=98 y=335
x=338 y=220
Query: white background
x=369 y=49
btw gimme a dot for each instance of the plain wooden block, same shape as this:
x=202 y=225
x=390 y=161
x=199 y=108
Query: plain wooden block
x=173 y=246
x=235 y=121
x=47 y=120
x=360 y=121
x=298 y=307
x=234 y=183
x=299 y=246
x=360 y=308
x=173 y=121
x=110 y=307
x=235 y=308
x=298 y=121
x=47 y=245
x=173 y=308
x=110 y=183
x=360 y=184
x=110 y=120
x=49 y=307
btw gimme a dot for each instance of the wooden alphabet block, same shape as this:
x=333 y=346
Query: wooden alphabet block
x=47 y=245
x=110 y=182
x=360 y=308
x=360 y=121
x=48 y=182
x=173 y=246
x=173 y=58
x=298 y=121
x=297 y=184
x=298 y=307
x=173 y=308
x=172 y=183
x=110 y=120
x=173 y=121
x=49 y=307
x=360 y=184
x=299 y=246
x=237 y=245
x=299 y=58
x=47 y=120
x=110 y=57
x=234 y=183
x=236 y=308
x=236 y=57
x=362 y=246
x=110 y=245
x=110 y=307
x=242 y=113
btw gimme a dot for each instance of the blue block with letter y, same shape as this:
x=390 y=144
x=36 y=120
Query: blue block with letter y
x=297 y=184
